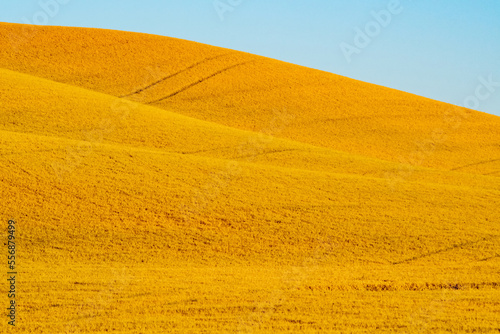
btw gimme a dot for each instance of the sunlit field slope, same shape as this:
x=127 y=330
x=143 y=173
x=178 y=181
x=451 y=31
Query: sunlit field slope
x=244 y=91
x=161 y=185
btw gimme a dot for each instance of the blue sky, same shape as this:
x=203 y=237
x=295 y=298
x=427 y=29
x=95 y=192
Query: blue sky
x=448 y=50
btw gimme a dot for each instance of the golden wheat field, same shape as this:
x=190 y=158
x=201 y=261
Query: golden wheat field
x=164 y=186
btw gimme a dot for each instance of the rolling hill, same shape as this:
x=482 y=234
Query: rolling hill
x=162 y=185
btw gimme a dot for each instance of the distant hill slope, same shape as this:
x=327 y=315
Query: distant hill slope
x=246 y=92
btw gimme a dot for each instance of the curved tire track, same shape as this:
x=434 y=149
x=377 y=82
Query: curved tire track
x=173 y=75
x=197 y=82
x=475 y=164
x=265 y=153
x=461 y=245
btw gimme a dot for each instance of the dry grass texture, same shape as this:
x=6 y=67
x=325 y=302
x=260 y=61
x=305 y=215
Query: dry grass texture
x=162 y=185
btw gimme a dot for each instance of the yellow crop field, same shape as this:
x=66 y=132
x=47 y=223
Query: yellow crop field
x=155 y=185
